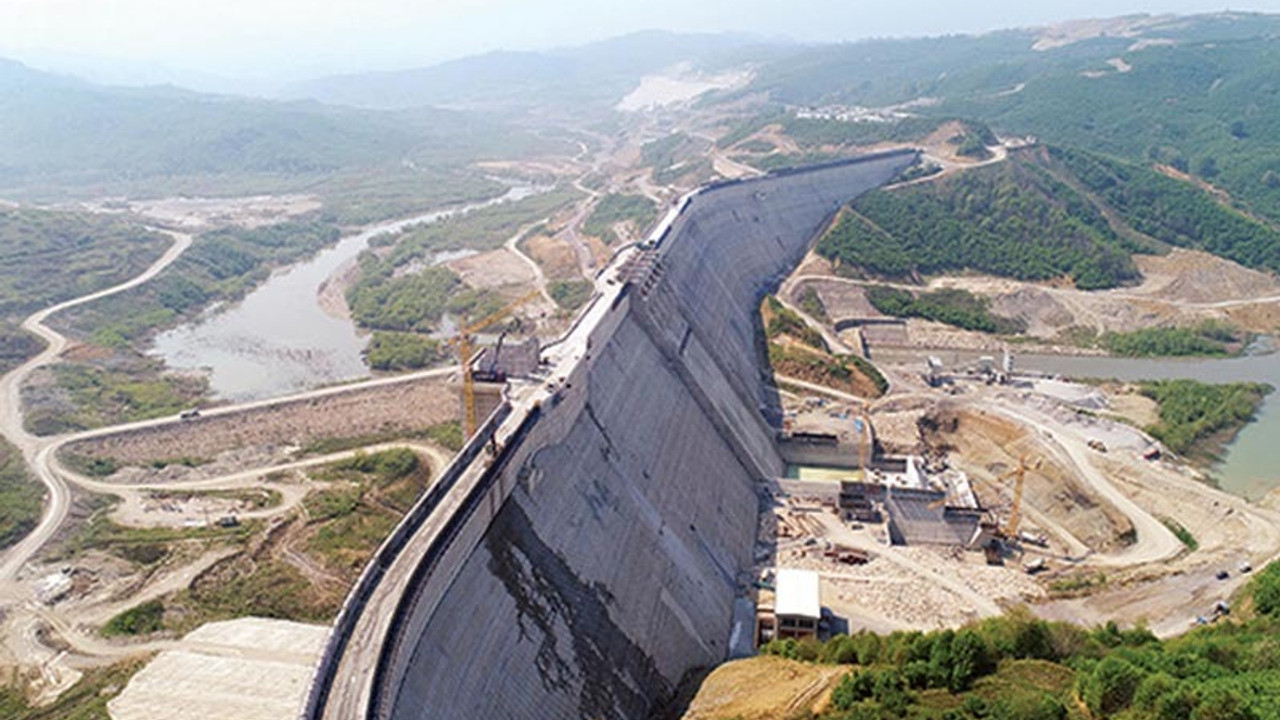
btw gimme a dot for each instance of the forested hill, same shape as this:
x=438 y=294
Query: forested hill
x=1200 y=94
x=1043 y=214
x=61 y=133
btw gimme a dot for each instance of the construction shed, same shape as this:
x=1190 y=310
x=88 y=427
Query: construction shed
x=798 y=604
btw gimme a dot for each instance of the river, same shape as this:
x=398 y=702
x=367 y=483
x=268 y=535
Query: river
x=1251 y=463
x=278 y=340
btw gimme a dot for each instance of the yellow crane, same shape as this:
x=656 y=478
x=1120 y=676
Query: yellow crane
x=1019 y=475
x=466 y=346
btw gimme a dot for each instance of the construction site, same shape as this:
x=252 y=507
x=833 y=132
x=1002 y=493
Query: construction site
x=645 y=495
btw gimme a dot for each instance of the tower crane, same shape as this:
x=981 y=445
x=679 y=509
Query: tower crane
x=465 y=343
x=1018 y=475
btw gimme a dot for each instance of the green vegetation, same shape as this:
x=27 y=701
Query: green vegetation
x=811 y=134
x=141 y=619
x=1018 y=668
x=781 y=321
x=1181 y=532
x=93 y=396
x=674 y=157
x=49 y=256
x=1174 y=211
x=21 y=498
x=403 y=291
x=221 y=265
x=811 y=303
x=368 y=196
x=953 y=306
x=141 y=546
x=483 y=229
x=447 y=434
x=403 y=351
x=16 y=346
x=415 y=302
x=748 y=127
x=637 y=210
x=242 y=587
x=799 y=351
x=1207 y=338
x=1013 y=219
x=570 y=294
x=163 y=140
x=1195 y=417
x=350 y=521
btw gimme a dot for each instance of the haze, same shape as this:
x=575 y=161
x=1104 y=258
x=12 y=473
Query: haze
x=142 y=41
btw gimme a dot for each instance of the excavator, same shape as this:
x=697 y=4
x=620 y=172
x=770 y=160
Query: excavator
x=464 y=341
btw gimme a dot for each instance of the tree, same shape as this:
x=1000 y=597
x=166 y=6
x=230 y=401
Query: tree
x=970 y=659
x=1222 y=705
x=1111 y=686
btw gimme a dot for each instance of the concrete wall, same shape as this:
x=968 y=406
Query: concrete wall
x=598 y=557
x=407 y=406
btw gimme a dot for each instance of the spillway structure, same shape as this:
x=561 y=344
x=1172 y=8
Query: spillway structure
x=586 y=549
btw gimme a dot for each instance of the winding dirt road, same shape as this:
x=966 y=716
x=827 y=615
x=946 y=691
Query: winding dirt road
x=36 y=450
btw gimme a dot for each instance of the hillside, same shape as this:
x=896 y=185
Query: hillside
x=1015 y=668
x=1044 y=214
x=592 y=77
x=63 y=133
x=1197 y=94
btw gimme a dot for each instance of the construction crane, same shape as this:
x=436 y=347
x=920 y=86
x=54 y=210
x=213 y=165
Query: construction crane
x=466 y=346
x=1018 y=475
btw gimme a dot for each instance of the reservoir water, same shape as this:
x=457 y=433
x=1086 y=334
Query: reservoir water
x=278 y=340
x=1251 y=463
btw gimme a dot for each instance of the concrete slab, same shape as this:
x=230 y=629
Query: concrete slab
x=247 y=669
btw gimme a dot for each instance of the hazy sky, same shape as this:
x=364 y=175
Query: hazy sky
x=293 y=38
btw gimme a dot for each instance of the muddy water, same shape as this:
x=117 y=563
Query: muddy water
x=1250 y=465
x=278 y=340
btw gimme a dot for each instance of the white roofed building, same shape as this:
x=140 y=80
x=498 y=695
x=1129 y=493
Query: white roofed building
x=797 y=604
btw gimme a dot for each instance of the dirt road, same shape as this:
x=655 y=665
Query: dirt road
x=36 y=450
x=1154 y=543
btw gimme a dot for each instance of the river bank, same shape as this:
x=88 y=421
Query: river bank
x=291 y=333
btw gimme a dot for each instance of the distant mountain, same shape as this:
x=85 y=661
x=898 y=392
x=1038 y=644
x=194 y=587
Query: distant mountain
x=598 y=74
x=59 y=132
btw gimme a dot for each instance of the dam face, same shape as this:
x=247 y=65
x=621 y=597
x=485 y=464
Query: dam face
x=599 y=552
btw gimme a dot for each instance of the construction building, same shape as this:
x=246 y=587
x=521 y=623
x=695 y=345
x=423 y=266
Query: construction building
x=797 y=607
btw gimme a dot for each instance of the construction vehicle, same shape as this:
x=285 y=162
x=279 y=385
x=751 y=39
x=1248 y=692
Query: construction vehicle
x=465 y=343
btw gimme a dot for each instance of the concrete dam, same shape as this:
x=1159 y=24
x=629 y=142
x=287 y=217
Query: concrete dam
x=585 y=550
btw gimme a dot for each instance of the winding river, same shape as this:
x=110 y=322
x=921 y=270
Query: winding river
x=278 y=339
x=1251 y=464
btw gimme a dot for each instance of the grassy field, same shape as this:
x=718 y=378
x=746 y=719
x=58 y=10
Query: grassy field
x=21 y=498
x=89 y=396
